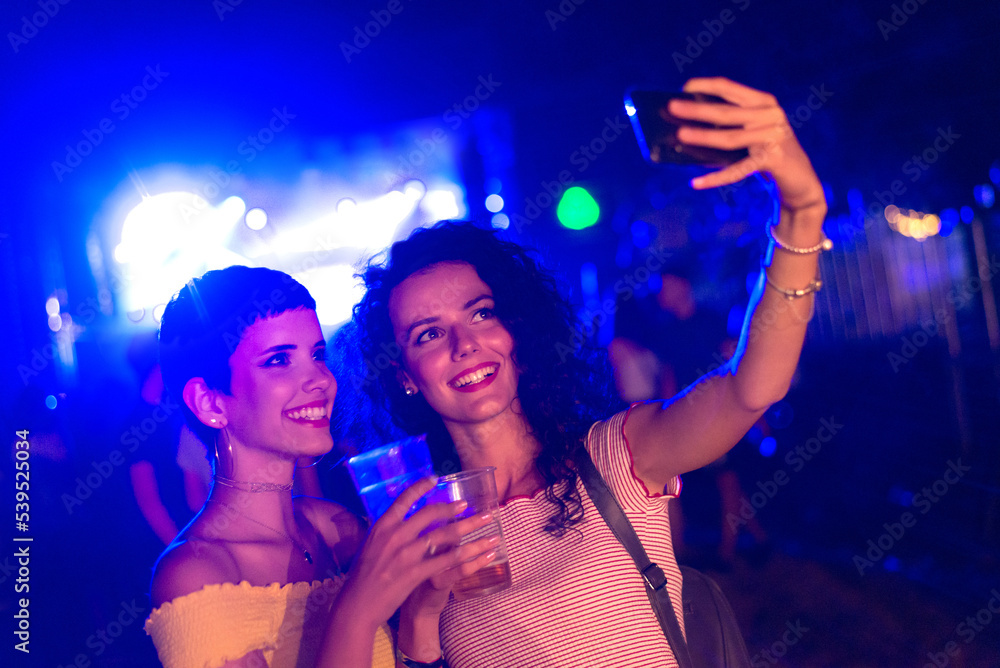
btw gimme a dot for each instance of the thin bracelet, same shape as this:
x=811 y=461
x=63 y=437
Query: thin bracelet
x=823 y=245
x=814 y=286
x=413 y=663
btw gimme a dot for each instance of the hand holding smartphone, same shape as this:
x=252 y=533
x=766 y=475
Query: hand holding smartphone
x=656 y=130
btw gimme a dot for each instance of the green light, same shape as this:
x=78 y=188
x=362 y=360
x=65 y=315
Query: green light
x=577 y=209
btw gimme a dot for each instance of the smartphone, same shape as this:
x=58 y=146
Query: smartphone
x=656 y=130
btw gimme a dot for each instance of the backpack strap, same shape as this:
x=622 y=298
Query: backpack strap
x=656 y=581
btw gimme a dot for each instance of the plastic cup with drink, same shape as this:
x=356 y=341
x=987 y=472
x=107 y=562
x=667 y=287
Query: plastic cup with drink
x=382 y=474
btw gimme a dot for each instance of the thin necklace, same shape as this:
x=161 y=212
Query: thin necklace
x=305 y=552
x=254 y=486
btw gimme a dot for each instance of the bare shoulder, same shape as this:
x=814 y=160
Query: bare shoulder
x=189 y=565
x=339 y=526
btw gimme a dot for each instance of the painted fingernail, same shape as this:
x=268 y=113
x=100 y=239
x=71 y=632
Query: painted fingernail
x=696 y=183
x=494 y=540
x=486 y=517
x=461 y=505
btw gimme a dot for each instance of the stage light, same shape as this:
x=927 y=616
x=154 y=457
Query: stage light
x=640 y=234
x=629 y=108
x=346 y=206
x=500 y=221
x=767 y=446
x=985 y=195
x=494 y=203
x=949 y=219
x=414 y=189
x=441 y=205
x=995 y=174
x=966 y=214
x=170 y=237
x=256 y=219
x=51 y=402
x=335 y=289
x=493 y=186
x=233 y=207
x=52 y=306
x=55 y=323
x=911 y=223
x=577 y=209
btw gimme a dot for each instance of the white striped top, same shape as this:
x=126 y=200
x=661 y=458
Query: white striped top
x=576 y=601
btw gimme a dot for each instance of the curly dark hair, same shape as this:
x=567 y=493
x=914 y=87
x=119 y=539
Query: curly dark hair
x=563 y=383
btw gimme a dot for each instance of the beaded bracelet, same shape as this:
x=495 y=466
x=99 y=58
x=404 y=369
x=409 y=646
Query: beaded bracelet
x=814 y=286
x=823 y=245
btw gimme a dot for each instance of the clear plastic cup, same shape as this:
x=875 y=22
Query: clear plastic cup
x=478 y=488
x=382 y=474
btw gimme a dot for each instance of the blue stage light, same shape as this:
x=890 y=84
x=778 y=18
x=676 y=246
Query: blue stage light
x=256 y=219
x=588 y=280
x=985 y=195
x=494 y=203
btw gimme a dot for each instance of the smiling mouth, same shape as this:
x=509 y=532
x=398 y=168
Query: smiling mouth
x=477 y=376
x=307 y=413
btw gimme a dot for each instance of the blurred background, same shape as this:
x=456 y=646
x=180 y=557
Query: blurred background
x=149 y=142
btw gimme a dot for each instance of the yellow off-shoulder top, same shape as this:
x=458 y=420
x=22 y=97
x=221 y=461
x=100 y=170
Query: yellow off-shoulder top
x=222 y=622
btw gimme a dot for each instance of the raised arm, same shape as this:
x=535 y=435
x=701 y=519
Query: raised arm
x=704 y=421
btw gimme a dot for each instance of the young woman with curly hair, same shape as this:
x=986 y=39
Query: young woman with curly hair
x=485 y=362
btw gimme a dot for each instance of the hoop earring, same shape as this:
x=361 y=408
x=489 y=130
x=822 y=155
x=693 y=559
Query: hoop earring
x=228 y=448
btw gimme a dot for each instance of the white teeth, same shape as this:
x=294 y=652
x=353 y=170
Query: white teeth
x=475 y=376
x=308 y=413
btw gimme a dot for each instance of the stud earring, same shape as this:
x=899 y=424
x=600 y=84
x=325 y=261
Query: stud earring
x=410 y=391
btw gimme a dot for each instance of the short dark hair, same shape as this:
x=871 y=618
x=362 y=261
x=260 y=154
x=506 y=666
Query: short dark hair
x=564 y=384
x=204 y=322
